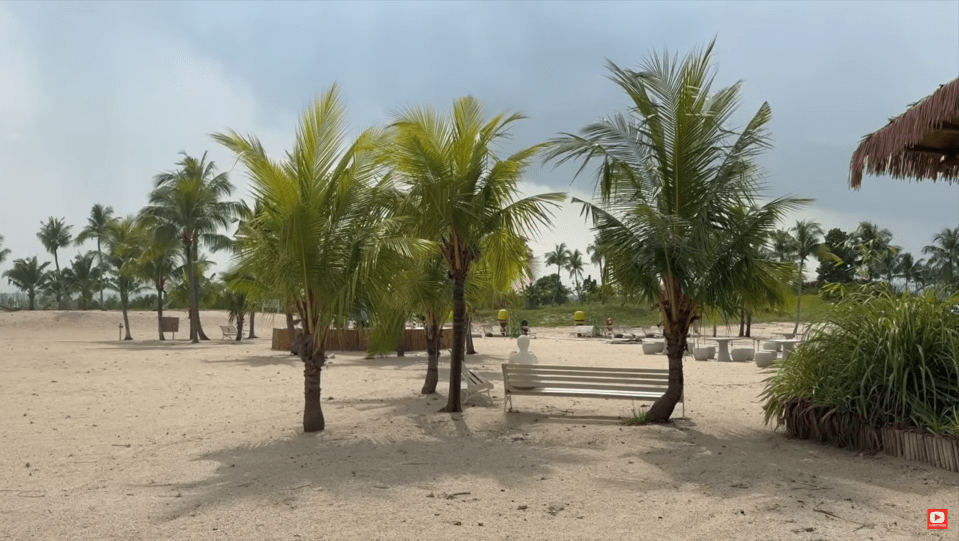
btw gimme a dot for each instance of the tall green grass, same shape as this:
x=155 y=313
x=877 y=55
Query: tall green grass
x=890 y=361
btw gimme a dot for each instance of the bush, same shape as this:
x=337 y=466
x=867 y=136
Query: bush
x=890 y=361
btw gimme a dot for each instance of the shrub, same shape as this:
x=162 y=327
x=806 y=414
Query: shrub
x=890 y=361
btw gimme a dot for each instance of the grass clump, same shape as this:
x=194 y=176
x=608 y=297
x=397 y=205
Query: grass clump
x=637 y=417
x=891 y=361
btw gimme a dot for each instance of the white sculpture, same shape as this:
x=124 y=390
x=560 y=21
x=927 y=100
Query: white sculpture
x=523 y=355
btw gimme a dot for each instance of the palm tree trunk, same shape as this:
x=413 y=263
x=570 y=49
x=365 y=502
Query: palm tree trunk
x=742 y=322
x=31 y=296
x=676 y=327
x=294 y=345
x=239 y=326
x=124 y=301
x=100 y=264
x=749 y=324
x=160 y=309
x=252 y=324
x=459 y=342
x=470 y=348
x=432 y=356
x=59 y=290
x=798 y=298
x=313 y=359
x=194 y=320
x=195 y=292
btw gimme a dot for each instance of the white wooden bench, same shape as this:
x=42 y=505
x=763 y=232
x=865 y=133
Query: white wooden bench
x=229 y=331
x=647 y=384
x=476 y=384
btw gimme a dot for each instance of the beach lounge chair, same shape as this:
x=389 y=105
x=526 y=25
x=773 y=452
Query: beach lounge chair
x=229 y=331
x=487 y=329
x=476 y=384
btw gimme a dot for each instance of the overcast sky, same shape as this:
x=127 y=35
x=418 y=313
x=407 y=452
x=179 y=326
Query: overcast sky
x=96 y=99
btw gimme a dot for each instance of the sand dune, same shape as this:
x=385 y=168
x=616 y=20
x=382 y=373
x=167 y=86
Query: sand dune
x=104 y=439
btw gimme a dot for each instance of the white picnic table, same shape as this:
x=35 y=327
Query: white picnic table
x=788 y=344
x=723 y=341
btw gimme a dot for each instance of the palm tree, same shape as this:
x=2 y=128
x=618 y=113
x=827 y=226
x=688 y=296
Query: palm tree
x=807 y=241
x=598 y=257
x=100 y=219
x=83 y=276
x=318 y=237
x=575 y=267
x=28 y=276
x=462 y=197
x=782 y=245
x=558 y=257
x=944 y=255
x=908 y=268
x=874 y=245
x=669 y=179
x=4 y=252
x=55 y=234
x=156 y=264
x=126 y=240
x=187 y=204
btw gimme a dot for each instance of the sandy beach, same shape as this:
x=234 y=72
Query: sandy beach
x=106 y=439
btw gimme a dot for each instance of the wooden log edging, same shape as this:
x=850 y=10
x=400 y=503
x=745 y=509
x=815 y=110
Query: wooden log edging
x=807 y=421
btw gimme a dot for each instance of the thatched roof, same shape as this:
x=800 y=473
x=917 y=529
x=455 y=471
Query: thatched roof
x=921 y=143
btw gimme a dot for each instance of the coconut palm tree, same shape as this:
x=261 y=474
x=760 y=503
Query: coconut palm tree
x=188 y=204
x=27 y=276
x=670 y=176
x=157 y=264
x=782 y=246
x=126 y=240
x=575 y=268
x=462 y=197
x=559 y=257
x=4 y=252
x=944 y=255
x=83 y=276
x=320 y=234
x=807 y=240
x=100 y=218
x=598 y=257
x=55 y=234
x=874 y=245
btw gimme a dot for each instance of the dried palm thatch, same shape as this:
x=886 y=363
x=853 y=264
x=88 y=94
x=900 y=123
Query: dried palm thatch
x=921 y=143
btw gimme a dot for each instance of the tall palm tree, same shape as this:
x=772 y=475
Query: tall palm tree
x=575 y=267
x=100 y=219
x=462 y=197
x=670 y=176
x=188 y=204
x=83 y=276
x=4 y=252
x=559 y=257
x=28 y=276
x=318 y=237
x=944 y=255
x=55 y=234
x=598 y=257
x=782 y=245
x=126 y=240
x=807 y=241
x=874 y=245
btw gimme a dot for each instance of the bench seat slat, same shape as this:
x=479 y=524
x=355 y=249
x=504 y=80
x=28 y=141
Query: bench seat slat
x=520 y=386
x=628 y=395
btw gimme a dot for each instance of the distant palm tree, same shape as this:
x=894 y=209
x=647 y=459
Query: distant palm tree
x=560 y=258
x=874 y=245
x=944 y=255
x=908 y=269
x=83 y=276
x=598 y=257
x=575 y=267
x=463 y=198
x=126 y=240
x=28 y=276
x=55 y=234
x=4 y=252
x=670 y=173
x=782 y=245
x=157 y=264
x=188 y=204
x=807 y=241
x=100 y=219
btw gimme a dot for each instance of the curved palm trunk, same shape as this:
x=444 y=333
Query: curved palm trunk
x=160 y=310
x=59 y=290
x=294 y=345
x=470 y=348
x=459 y=342
x=252 y=324
x=675 y=328
x=124 y=301
x=239 y=327
x=313 y=359
x=195 y=294
x=100 y=264
x=194 y=318
x=798 y=298
x=433 y=336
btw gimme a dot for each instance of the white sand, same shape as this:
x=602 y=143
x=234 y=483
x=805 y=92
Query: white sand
x=103 y=439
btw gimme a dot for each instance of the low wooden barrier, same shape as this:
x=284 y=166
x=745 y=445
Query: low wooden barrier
x=359 y=339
